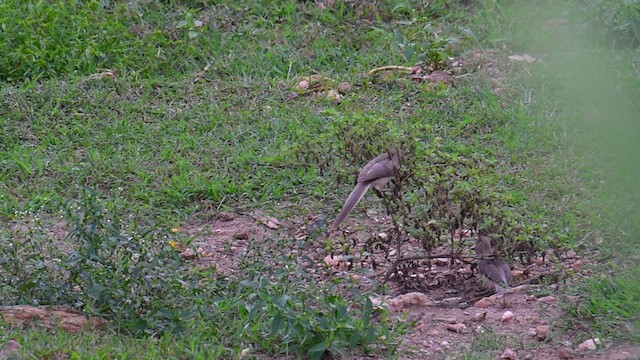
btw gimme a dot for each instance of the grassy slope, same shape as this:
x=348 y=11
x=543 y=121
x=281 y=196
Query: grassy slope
x=587 y=83
x=159 y=146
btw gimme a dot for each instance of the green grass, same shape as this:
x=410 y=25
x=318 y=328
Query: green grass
x=199 y=116
x=590 y=81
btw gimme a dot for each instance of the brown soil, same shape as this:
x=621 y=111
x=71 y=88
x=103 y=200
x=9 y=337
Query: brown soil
x=455 y=313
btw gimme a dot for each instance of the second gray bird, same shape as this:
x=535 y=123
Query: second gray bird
x=377 y=173
x=493 y=267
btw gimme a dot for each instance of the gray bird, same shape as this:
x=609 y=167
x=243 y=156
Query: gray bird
x=377 y=173
x=492 y=267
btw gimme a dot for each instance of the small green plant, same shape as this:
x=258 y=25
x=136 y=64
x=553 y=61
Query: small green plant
x=424 y=43
x=191 y=25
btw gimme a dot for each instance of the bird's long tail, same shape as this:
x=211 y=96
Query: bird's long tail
x=353 y=200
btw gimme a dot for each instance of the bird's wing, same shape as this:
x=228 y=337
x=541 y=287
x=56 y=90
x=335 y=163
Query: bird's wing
x=494 y=271
x=379 y=167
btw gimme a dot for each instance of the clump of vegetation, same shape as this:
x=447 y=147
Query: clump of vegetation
x=134 y=278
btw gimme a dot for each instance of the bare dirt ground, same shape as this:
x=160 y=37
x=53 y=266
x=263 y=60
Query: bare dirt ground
x=452 y=313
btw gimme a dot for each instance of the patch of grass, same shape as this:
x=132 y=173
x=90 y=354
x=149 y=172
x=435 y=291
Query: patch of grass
x=591 y=86
x=611 y=303
x=199 y=117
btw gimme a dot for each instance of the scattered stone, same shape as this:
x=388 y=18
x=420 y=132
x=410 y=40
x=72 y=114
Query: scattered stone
x=269 y=221
x=565 y=353
x=335 y=96
x=479 y=316
x=571 y=254
x=225 y=216
x=244 y=353
x=531 y=298
x=317 y=226
x=485 y=302
x=542 y=332
x=402 y=302
x=241 y=235
x=588 y=345
x=548 y=299
x=524 y=58
x=457 y=328
x=303 y=85
x=507 y=316
x=438 y=77
x=532 y=332
x=344 y=87
x=383 y=236
x=10 y=350
x=336 y=261
x=188 y=254
x=509 y=354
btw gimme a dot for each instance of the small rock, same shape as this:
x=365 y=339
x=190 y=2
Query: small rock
x=549 y=254
x=433 y=224
x=507 y=316
x=509 y=354
x=317 y=226
x=303 y=85
x=571 y=254
x=532 y=332
x=335 y=96
x=270 y=222
x=244 y=353
x=10 y=350
x=336 y=261
x=542 y=332
x=524 y=58
x=457 y=328
x=565 y=353
x=241 y=235
x=411 y=299
x=383 y=236
x=588 y=345
x=445 y=343
x=225 y=216
x=548 y=299
x=188 y=254
x=531 y=298
x=485 y=302
x=438 y=77
x=344 y=87
x=479 y=316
